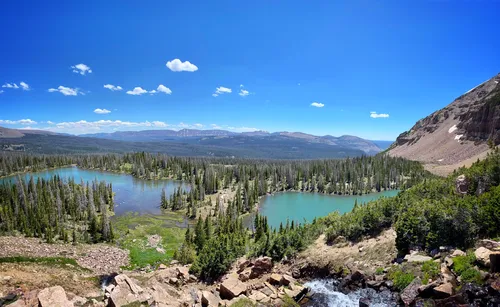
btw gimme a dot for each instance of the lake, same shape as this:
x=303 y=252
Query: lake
x=143 y=196
x=131 y=194
x=297 y=206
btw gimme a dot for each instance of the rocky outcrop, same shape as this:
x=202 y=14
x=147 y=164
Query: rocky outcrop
x=261 y=265
x=126 y=291
x=53 y=297
x=232 y=288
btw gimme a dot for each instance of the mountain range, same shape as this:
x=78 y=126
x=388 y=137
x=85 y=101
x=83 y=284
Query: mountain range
x=193 y=142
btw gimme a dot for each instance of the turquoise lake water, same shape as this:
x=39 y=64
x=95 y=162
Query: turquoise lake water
x=143 y=196
x=297 y=206
x=131 y=194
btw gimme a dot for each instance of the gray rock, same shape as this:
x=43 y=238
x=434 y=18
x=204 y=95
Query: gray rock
x=53 y=297
x=411 y=291
x=462 y=184
x=417 y=258
x=209 y=299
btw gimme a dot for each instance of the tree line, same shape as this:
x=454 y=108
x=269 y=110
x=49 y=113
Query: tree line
x=57 y=209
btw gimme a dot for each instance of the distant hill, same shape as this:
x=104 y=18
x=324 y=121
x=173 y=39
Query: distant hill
x=456 y=135
x=227 y=138
x=383 y=144
x=192 y=142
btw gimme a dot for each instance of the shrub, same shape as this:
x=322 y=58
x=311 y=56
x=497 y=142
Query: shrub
x=471 y=275
x=400 y=278
x=431 y=270
x=379 y=271
x=463 y=263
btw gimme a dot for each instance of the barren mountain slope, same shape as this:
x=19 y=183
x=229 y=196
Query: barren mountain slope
x=457 y=134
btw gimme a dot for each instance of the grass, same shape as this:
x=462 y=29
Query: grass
x=133 y=229
x=51 y=261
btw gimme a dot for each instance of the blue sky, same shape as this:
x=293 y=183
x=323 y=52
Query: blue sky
x=400 y=59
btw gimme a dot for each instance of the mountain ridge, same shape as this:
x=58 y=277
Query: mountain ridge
x=457 y=134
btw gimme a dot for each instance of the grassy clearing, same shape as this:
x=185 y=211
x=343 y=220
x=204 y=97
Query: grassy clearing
x=50 y=261
x=132 y=232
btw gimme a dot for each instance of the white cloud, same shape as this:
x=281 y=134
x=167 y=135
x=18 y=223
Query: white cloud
x=81 y=69
x=1 y=91
x=178 y=65
x=25 y=86
x=10 y=85
x=317 y=104
x=221 y=90
x=197 y=125
x=101 y=111
x=164 y=89
x=66 y=91
x=374 y=114
x=137 y=91
x=50 y=123
x=159 y=124
x=243 y=93
x=215 y=126
x=241 y=85
x=18 y=122
x=112 y=87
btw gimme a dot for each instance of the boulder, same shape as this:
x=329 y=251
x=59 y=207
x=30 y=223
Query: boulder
x=209 y=299
x=375 y=284
x=53 y=297
x=232 y=288
x=457 y=253
x=243 y=265
x=262 y=265
x=183 y=272
x=483 y=256
x=257 y=296
x=417 y=258
x=490 y=244
x=411 y=291
x=244 y=276
x=287 y=280
x=461 y=184
x=126 y=292
x=447 y=275
x=162 y=267
x=364 y=302
x=495 y=262
x=448 y=261
x=444 y=290
x=275 y=279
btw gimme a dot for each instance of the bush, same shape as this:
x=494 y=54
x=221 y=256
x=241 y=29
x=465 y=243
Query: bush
x=463 y=263
x=430 y=270
x=471 y=275
x=400 y=278
x=379 y=271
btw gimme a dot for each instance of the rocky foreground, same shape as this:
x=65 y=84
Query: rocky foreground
x=262 y=282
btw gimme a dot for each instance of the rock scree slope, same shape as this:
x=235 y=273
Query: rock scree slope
x=456 y=135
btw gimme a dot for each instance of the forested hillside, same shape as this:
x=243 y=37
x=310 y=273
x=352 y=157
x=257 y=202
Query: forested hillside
x=57 y=209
